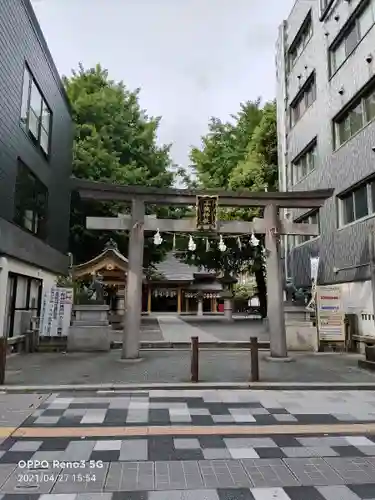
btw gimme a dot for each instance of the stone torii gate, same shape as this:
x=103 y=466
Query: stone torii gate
x=136 y=223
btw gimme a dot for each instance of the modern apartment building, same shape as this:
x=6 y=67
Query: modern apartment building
x=36 y=135
x=326 y=110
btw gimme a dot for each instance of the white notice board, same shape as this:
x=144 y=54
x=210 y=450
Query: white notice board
x=330 y=315
x=56 y=312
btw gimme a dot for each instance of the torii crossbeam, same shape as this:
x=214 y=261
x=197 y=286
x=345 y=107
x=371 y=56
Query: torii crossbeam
x=137 y=223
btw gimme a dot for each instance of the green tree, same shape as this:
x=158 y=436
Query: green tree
x=239 y=155
x=225 y=146
x=115 y=141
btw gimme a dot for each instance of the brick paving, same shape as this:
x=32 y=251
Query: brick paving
x=166 y=445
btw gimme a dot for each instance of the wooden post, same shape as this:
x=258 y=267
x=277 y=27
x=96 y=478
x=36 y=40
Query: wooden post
x=187 y=305
x=275 y=294
x=214 y=300
x=149 y=299
x=254 y=354
x=194 y=359
x=179 y=300
x=132 y=322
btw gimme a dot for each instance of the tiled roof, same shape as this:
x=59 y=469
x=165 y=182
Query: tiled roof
x=173 y=269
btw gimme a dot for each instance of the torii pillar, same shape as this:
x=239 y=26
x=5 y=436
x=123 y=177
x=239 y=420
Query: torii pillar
x=275 y=298
x=133 y=296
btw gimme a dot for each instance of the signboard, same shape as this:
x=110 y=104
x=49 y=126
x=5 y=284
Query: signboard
x=206 y=207
x=330 y=314
x=56 y=312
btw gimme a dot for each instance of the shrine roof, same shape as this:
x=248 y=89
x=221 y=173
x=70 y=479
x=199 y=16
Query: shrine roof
x=214 y=286
x=111 y=252
x=173 y=269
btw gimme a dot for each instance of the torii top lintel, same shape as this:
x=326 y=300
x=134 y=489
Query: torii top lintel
x=102 y=191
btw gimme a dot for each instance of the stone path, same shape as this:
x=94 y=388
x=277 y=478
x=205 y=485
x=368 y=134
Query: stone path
x=241 y=329
x=192 y=445
x=175 y=330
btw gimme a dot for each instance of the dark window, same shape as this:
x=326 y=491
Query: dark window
x=305 y=164
x=348 y=208
x=35 y=113
x=343 y=129
x=338 y=56
x=314 y=218
x=370 y=106
x=360 y=202
x=366 y=19
x=305 y=99
x=351 y=40
x=362 y=23
x=357 y=203
x=311 y=218
x=356 y=119
x=31 y=199
x=301 y=41
x=353 y=119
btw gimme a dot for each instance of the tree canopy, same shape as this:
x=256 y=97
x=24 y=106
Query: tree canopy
x=115 y=141
x=225 y=145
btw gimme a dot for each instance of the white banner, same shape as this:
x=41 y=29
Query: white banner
x=314 y=269
x=314 y=266
x=56 y=312
x=331 y=325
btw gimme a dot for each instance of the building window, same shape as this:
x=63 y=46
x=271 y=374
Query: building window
x=361 y=111
x=357 y=203
x=352 y=35
x=305 y=164
x=301 y=40
x=369 y=104
x=310 y=218
x=304 y=100
x=31 y=200
x=36 y=115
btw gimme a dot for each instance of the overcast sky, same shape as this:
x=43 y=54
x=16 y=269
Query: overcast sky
x=193 y=59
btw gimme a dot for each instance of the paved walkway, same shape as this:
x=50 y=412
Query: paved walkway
x=173 y=366
x=175 y=330
x=191 y=445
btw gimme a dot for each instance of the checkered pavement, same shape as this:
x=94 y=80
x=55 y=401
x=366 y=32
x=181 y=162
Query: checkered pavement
x=115 y=483
x=205 y=408
x=210 y=467
x=182 y=448
x=194 y=466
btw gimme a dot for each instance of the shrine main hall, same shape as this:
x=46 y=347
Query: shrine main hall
x=174 y=287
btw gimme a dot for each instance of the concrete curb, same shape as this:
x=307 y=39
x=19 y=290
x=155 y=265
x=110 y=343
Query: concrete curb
x=264 y=386
x=221 y=344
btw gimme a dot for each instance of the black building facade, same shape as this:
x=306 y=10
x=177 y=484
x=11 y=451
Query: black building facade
x=36 y=137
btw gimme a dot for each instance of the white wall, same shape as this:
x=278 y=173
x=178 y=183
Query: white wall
x=18 y=267
x=14 y=266
x=357 y=299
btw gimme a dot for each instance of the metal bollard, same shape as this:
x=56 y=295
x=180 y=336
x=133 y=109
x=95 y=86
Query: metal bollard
x=194 y=359
x=254 y=353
